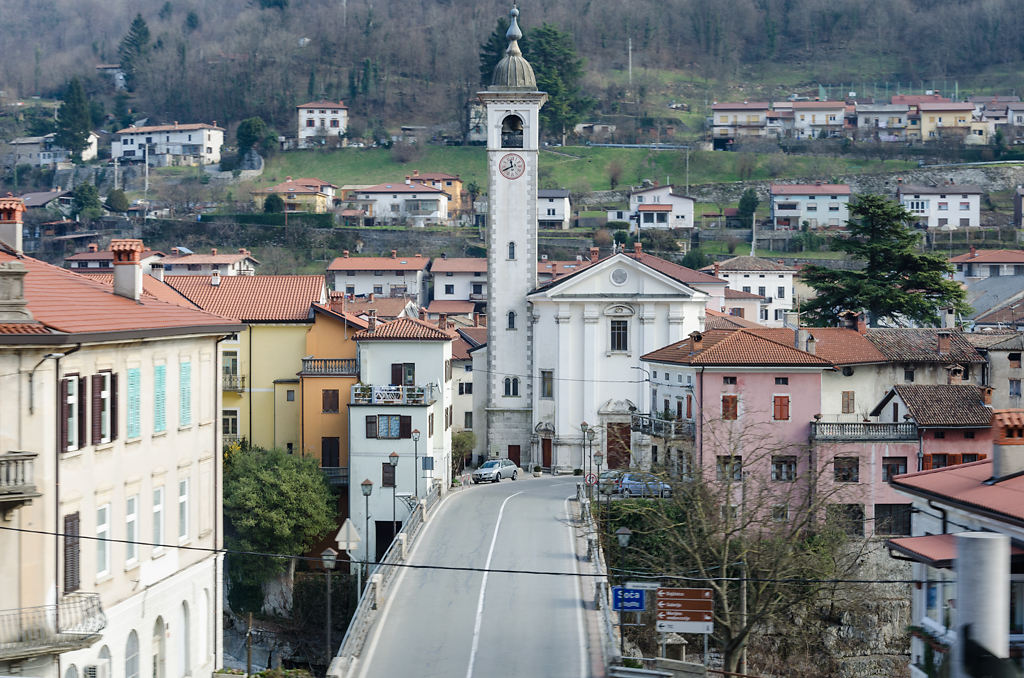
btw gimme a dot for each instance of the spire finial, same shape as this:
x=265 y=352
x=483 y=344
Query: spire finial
x=514 y=35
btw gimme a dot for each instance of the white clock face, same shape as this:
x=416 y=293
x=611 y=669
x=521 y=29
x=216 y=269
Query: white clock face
x=511 y=166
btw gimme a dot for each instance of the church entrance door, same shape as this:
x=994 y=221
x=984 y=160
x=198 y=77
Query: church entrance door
x=513 y=453
x=545 y=452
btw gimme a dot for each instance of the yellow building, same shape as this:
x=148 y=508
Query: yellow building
x=945 y=120
x=260 y=364
x=299 y=195
x=449 y=183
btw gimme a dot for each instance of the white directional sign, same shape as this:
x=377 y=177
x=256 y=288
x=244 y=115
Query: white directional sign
x=348 y=537
x=645 y=585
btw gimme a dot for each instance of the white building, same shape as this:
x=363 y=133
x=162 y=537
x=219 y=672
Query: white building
x=319 y=120
x=215 y=263
x=166 y=145
x=946 y=207
x=818 y=205
x=661 y=207
x=409 y=202
x=405 y=385
x=773 y=281
x=884 y=122
x=94 y=260
x=44 y=152
x=459 y=278
x=392 y=276
x=462 y=375
x=732 y=120
x=553 y=208
x=980 y=264
x=818 y=119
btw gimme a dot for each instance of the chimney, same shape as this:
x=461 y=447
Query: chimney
x=175 y=251
x=242 y=250
x=943 y=337
x=637 y=248
x=974 y=252
x=287 y=178
x=476 y=320
x=13 y=304
x=215 y=278
x=156 y=269
x=408 y=181
x=127 y=267
x=394 y=254
x=543 y=257
x=1007 y=444
x=93 y=247
x=442 y=321
x=423 y=313
x=415 y=173
x=696 y=342
x=717 y=268
x=344 y=254
x=213 y=251
x=810 y=344
x=986 y=395
x=11 y=209
x=369 y=296
x=791 y=319
x=595 y=254
x=371 y=320
x=579 y=258
x=954 y=375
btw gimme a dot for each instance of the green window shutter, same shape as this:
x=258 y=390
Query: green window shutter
x=134 y=402
x=185 y=395
x=159 y=398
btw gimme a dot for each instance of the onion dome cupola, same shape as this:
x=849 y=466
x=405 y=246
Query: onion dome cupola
x=513 y=71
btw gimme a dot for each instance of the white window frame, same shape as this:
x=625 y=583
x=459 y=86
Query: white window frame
x=102 y=540
x=158 y=519
x=105 y=410
x=72 y=421
x=131 y=529
x=183 y=517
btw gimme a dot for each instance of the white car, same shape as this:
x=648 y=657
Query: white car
x=495 y=469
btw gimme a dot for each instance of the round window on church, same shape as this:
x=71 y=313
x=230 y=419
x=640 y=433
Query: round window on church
x=619 y=276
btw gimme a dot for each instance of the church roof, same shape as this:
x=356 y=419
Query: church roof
x=513 y=71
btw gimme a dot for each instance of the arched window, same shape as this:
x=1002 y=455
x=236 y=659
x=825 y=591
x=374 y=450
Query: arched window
x=515 y=386
x=184 y=631
x=511 y=320
x=511 y=250
x=104 y=668
x=512 y=132
x=131 y=656
x=72 y=672
x=508 y=386
x=512 y=386
x=159 y=649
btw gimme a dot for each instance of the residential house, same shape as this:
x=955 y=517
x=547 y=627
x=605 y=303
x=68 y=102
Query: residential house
x=980 y=264
x=553 y=208
x=167 y=145
x=922 y=356
x=914 y=101
x=43 y=151
x=56 y=201
x=402 y=405
x=817 y=205
x=413 y=202
x=738 y=304
x=94 y=260
x=1003 y=372
x=1013 y=130
x=261 y=361
x=981 y=496
x=882 y=122
x=818 y=119
x=299 y=195
x=392 y=276
x=383 y=308
x=113 y=394
x=945 y=120
x=780 y=120
x=771 y=280
x=551 y=269
x=459 y=279
x=450 y=184
x=949 y=207
x=213 y=264
x=320 y=120
x=731 y=121
x=661 y=207
x=462 y=372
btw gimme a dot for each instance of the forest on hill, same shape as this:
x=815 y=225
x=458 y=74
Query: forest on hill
x=417 y=61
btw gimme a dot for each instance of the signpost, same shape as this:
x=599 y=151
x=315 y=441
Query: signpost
x=685 y=611
x=628 y=600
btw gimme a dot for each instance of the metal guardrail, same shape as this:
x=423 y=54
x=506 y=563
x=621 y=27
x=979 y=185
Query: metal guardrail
x=602 y=597
x=74 y=623
x=336 y=476
x=662 y=428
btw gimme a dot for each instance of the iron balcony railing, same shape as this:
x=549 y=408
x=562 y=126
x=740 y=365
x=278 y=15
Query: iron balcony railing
x=344 y=367
x=365 y=394
x=73 y=624
x=869 y=430
x=17 y=478
x=232 y=381
x=661 y=428
x=336 y=476
x=231 y=439
x=478 y=296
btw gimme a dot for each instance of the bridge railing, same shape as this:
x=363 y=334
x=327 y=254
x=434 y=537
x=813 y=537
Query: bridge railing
x=602 y=595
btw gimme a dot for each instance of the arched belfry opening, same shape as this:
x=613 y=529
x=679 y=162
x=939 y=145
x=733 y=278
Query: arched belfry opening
x=512 y=132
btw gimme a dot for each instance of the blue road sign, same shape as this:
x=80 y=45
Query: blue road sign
x=628 y=600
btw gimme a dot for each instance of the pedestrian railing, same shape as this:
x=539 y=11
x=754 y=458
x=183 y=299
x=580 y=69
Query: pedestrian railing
x=602 y=598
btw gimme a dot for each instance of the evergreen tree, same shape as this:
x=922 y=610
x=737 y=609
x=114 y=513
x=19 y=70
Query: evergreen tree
x=122 y=114
x=559 y=72
x=85 y=202
x=273 y=204
x=133 y=49
x=74 y=120
x=253 y=133
x=747 y=205
x=117 y=201
x=897 y=283
x=492 y=51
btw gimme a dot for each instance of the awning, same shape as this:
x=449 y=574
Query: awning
x=937 y=550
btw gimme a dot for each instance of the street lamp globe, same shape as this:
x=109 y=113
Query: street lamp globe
x=584 y=427
x=591 y=434
x=328 y=558
x=623 y=534
x=598 y=459
x=367 y=487
x=416 y=435
x=393 y=459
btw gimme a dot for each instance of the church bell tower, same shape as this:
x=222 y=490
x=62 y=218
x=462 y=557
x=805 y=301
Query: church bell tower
x=512 y=103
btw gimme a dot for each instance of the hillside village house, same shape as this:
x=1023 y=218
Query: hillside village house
x=43 y=151
x=553 y=209
x=770 y=280
x=412 y=202
x=1003 y=371
x=459 y=279
x=451 y=184
x=213 y=264
x=383 y=308
x=881 y=121
x=661 y=207
x=948 y=207
x=462 y=373
x=260 y=361
x=817 y=205
x=113 y=393
x=168 y=145
x=732 y=120
x=392 y=276
x=95 y=260
x=818 y=119
x=942 y=120
x=299 y=195
x=980 y=264
x=319 y=120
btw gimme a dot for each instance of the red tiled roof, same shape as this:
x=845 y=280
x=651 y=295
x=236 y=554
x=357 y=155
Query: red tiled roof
x=715 y=320
x=399 y=187
x=965 y=484
x=167 y=128
x=735 y=348
x=386 y=307
x=341 y=315
x=106 y=255
x=476 y=336
x=323 y=103
x=990 y=257
x=414 y=263
x=253 y=298
x=944 y=404
x=915 y=99
x=208 y=259
x=560 y=269
x=838 y=345
x=302 y=185
x=945 y=106
x=740 y=294
x=674 y=271
x=810 y=189
x=748 y=263
x=460 y=349
x=459 y=265
x=435 y=176
x=150 y=287
x=402 y=329
x=922 y=345
x=23 y=328
x=654 y=208
x=937 y=550
x=455 y=307
x=743 y=106
x=811 y=105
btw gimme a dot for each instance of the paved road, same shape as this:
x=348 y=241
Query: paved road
x=449 y=624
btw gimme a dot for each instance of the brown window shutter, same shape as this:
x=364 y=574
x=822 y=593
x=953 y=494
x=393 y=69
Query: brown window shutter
x=113 y=407
x=926 y=462
x=72 y=578
x=387 y=475
x=689 y=406
x=397 y=374
x=330 y=399
x=82 y=426
x=96 y=403
x=63 y=442
x=405 y=426
x=371 y=426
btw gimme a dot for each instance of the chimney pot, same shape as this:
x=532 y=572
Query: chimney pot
x=595 y=254
x=344 y=254
x=717 y=268
x=394 y=254
x=974 y=252
x=213 y=251
x=215 y=278
x=93 y=247
x=371 y=320
x=638 y=248
x=423 y=313
x=944 y=337
x=442 y=321
x=696 y=341
x=370 y=297
x=156 y=269
x=127 y=267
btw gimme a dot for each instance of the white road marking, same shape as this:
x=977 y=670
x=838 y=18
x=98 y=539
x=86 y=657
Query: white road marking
x=483 y=588
x=579 y=591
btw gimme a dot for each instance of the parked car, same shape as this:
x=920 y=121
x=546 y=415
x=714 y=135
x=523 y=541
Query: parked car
x=643 y=485
x=610 y=481
x=495 y=469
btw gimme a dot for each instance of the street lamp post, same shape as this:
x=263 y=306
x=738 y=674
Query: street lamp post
x=328 y=559
x=598 y=459
x=622 y=534
x=591 y=434
x=393 y=460
x=367 y=487
x=416 y=460
x=584 y=427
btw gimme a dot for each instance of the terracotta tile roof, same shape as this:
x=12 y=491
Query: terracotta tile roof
x=400 y=187
x=460 y=349
x=654 y=208
x=944 y=404
x=1005 y=315
x=150 y=287
x=915 y=99
x=476 y=336
x=459 y=265
x=922 y=345
x=405 y=329
x=414 y=263
x=107 y=255
x=740 y=294
x=945 y=106
x=810 y=189
x=735 y=348
x=715 y=320
x=674 y=271
x=435 y=176
x=302 y=185
x=386 y=307
x=66 y=302
x=990 y=257
x=167 y=128
x=743 y=106
x=451 y=307
x=23 y=328
x=816 y=105
x=997 y=340
x=208 y=259
x=748 y=263
x=253 y=298
x=350 y=318
x=559 y=269
x=965 y=484
x=937 y=550
x=838 y=345
x=323 y=103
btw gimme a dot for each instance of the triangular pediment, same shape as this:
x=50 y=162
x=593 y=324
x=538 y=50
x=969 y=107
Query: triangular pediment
x=616 y=276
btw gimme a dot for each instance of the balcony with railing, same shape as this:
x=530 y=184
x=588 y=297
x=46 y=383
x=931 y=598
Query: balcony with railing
x=17 y=479
x=867 y=430
x=50 y=629
x=330 y=367
x=662 y=428
x=366 y=394
x=336 y=476
x=232 y=381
